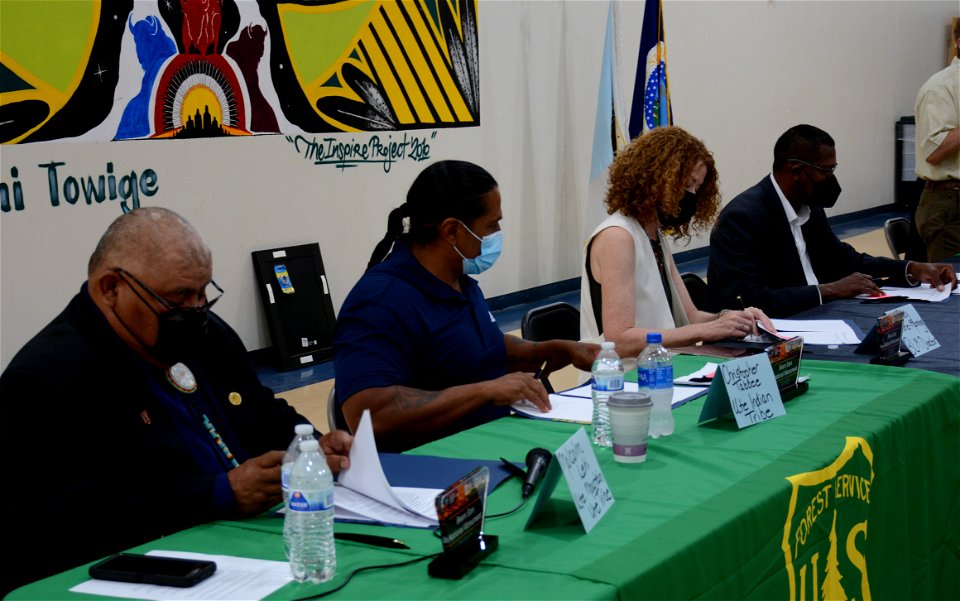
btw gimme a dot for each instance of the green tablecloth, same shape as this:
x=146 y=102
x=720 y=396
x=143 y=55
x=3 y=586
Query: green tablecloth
x=853 y=494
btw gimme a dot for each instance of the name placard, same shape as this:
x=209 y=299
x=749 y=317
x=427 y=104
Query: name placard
x=577 y=463
x=785 y=361
x=890 y=332
x=747 y=388
x=916 y=335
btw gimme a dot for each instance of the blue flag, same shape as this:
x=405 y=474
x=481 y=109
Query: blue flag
x=651 y=94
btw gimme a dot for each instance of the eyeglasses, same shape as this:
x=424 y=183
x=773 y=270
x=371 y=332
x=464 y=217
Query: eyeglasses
x=123 y=273
x=827 y=170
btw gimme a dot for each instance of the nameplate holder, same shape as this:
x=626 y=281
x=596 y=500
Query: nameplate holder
x=885 y=340
x=785 y=363
x=746 y=388
x=577 y=463
x=460 y=509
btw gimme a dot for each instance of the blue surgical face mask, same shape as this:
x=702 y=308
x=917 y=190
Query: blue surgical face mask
x=490 y=247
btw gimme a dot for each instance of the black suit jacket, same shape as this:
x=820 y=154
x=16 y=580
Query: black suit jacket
x=85 y=475
x=753 y=256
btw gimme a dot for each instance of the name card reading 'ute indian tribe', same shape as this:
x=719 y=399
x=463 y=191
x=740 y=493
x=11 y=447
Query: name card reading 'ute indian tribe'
x=747 y=388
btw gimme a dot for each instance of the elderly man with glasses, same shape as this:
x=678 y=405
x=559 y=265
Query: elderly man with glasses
x=772 y=247
x=135 y=413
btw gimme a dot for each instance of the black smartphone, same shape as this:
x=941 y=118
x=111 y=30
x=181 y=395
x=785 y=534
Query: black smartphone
x=153 y=569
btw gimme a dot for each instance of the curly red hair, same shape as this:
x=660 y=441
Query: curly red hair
x=653 y=170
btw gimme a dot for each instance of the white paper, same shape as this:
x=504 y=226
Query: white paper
x=921 y=292
x=351 y=505
x=365 y=476
x=704 y=372
x=817 y=331
x=235 y=578
x=579 y=409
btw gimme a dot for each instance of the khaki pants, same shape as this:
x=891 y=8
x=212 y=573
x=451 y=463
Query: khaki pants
x=938 y=221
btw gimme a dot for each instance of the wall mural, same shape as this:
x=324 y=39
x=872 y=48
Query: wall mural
x=118 y=70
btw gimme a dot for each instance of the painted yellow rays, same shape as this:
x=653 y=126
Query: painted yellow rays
x=395 y=44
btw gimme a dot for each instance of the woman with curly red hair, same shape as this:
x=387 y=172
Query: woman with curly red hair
x=664 y=181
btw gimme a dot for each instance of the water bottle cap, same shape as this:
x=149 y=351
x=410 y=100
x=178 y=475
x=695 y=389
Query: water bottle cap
x=607 y=346
x=654 y=337
x=303 y=429
x=309 y=445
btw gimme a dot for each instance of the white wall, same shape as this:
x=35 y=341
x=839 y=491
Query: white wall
x=741 y=73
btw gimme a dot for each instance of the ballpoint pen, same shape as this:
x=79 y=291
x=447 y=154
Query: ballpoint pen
x=539 y=375
x=879 y=280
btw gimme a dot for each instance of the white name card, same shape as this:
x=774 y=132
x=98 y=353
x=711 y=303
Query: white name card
x=916 y=335
x=747 y=388
x=577 y=462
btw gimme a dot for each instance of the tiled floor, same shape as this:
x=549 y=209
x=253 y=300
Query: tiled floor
x=307 y=388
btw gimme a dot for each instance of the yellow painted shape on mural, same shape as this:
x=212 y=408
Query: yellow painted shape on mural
x=395 y=55
x=198 y=98
x=388 y=82
x=408 y=41
x=49 y=39
x=319 y=38
x=438 y=56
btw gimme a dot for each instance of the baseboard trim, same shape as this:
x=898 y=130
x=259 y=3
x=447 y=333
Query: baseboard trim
x=537 y=293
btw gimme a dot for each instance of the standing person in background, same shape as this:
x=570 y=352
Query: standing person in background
x=938 y=158
x=665 y=180
x=415 y=342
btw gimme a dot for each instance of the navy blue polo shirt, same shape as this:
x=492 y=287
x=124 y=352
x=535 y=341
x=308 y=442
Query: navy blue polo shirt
x=401 y=325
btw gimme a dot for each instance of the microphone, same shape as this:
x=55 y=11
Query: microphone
x=537 y=461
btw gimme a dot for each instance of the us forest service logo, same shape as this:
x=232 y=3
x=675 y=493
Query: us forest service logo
x=825 y=535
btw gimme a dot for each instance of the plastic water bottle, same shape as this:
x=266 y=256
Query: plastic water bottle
x=303 y=432
x=655 y=377
x=607 y=375
x=308 y=521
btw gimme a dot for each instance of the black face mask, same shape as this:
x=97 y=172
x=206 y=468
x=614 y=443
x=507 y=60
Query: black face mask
x=824 y=193
x=686 y=210
x=181 y=331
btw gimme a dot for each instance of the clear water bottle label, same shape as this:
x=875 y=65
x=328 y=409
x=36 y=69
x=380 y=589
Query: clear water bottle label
x=310 y=501
x=611 y=383
x=659 y=377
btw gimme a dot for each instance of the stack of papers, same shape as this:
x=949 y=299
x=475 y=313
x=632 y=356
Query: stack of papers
x=363 y=494
x=923 y=292
x=817 y=331
x=575 y=405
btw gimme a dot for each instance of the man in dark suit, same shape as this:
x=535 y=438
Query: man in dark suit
x=135 y=413
x=772 y=247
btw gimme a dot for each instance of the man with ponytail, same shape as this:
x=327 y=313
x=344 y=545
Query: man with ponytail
x=415 y=342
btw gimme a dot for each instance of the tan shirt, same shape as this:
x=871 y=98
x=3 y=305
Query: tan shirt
x=937 y=112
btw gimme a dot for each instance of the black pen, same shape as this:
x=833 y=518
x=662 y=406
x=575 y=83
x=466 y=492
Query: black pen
x=879 y=280
x=371 y=539
x=539 y=373
x=742 y=306
x=514 y=470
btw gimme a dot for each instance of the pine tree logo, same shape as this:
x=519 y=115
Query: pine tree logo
x=832 y=590
x=825 y=533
